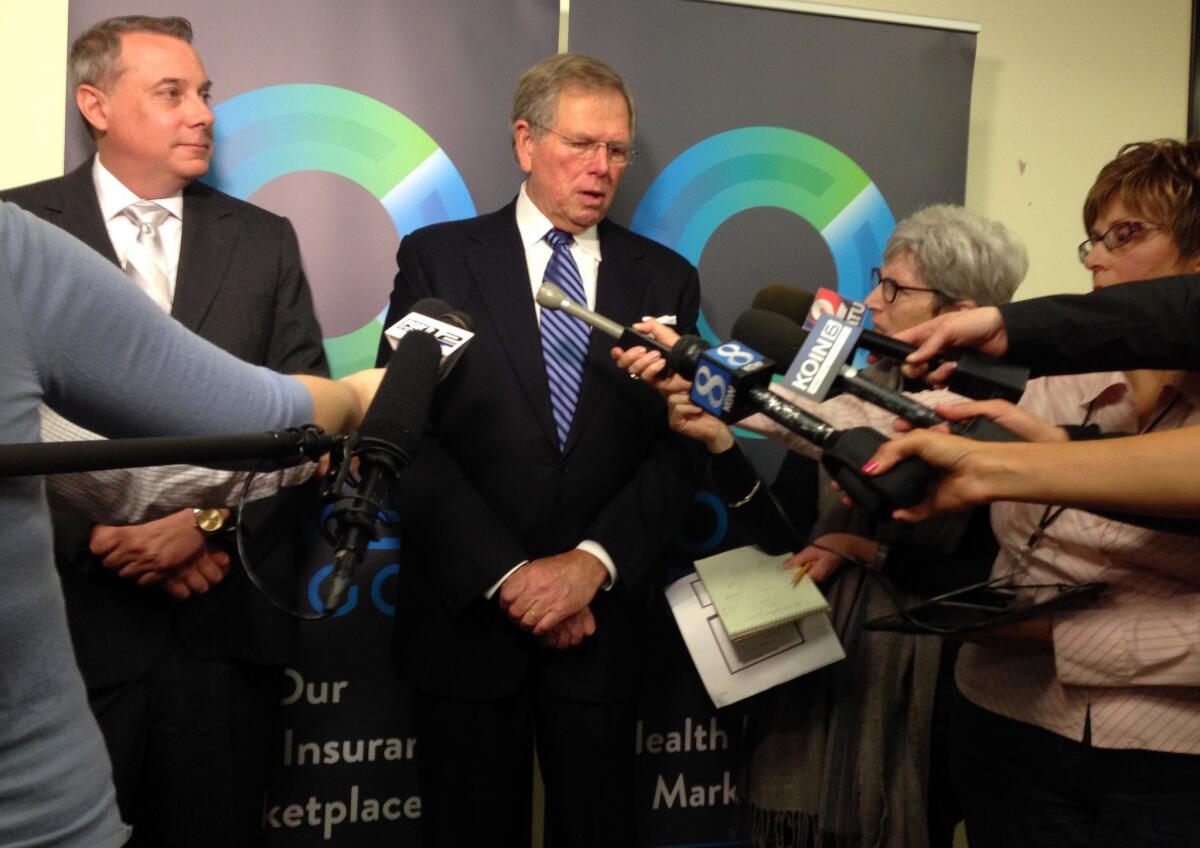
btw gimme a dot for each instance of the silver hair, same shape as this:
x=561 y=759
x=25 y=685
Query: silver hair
x=961 y=254
x=535 y=98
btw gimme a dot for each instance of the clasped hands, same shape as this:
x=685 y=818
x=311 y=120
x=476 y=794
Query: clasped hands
x=169 y=552
x=549 y=597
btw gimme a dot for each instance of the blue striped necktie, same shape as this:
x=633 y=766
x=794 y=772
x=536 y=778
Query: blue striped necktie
x=564 y=338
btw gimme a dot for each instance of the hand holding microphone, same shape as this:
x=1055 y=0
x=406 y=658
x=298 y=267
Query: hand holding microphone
x=551 y=296
x=981 y=328
x=729 y=381
x=971 y=372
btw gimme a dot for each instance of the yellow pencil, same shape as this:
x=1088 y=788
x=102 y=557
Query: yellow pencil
x=801 y=570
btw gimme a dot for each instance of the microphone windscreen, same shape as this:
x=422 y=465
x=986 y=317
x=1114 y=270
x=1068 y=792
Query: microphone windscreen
x=771 y=334
x=431 y=307
x=459 y=319
x=401 y=405
x=685 y=353
x=789 y=301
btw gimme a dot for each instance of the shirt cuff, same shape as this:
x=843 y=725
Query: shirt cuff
x=490 y=593
x=588 y=546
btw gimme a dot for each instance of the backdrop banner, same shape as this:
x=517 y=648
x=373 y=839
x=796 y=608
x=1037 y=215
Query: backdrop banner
x=775 y=147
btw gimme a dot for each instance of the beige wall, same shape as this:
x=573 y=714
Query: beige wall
x=1059 y=86
x=33 y=46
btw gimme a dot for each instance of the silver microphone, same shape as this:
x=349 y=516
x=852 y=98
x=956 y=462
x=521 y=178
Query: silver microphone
x=551 y=296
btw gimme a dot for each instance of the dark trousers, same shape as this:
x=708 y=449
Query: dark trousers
x=476 y=761
x=1024 y=786
x=191 y=744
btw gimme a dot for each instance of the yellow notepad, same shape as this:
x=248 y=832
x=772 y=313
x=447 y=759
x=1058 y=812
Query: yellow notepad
x=753 y=592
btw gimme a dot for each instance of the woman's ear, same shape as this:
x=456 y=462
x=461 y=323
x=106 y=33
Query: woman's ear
x=957 y=306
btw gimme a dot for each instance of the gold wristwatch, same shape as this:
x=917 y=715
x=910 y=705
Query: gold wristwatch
x=208 y=521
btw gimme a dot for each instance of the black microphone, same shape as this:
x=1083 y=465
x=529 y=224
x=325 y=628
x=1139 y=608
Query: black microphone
x=781 y=339
x=283 y=447
x=390 y=432
x=791 y=302
x=975 y=375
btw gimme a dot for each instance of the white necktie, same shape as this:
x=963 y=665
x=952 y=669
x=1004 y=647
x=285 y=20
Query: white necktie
x=146 y=261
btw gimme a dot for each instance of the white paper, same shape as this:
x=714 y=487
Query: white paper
x=732 y=670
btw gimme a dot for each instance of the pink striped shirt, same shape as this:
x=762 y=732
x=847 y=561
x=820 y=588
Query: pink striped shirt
x=1131 y=659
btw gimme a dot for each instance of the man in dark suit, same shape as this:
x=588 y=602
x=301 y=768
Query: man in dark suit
x=534 y=521
x=186 y=693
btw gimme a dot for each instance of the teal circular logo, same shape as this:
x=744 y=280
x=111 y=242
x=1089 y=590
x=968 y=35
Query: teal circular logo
x=755 y=167
x=284 y=129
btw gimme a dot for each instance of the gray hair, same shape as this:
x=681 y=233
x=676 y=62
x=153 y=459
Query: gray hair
x=94 y=55
x=962 y=255
x=535 y=98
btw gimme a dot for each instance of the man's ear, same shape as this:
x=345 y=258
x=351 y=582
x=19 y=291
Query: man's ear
x=523 y=144
x=93 y=105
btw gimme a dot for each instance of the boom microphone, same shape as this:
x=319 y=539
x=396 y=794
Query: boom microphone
x=283 y=447
x=390 y=433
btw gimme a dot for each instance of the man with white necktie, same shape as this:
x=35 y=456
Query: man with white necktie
x=186 y=693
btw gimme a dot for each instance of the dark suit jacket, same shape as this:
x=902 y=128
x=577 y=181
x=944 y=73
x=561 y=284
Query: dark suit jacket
x=1155 y=324
x=239 y=285
x=493 y=489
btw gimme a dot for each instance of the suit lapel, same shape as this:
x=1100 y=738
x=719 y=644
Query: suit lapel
x=619 y=294
x=77 y=210
x=501 y=276
x=209 y=239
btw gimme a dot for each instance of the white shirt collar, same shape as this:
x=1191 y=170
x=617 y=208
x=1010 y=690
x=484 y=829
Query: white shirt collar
x=114 y=196
x=533 y=226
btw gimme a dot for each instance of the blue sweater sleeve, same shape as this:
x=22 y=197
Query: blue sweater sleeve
x=111 y=360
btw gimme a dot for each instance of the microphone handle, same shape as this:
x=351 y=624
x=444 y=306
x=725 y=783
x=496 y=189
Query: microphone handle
x=983 y=429
x=285 y=446
x=882 y=345
x=979 y=428
x=893 y=401
x=356 y=527
x=803 y=424
x=845 y=452
x=903 y=485
x=632 y=338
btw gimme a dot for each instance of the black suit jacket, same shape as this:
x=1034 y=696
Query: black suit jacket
x=492 y=489
x=1154 y=324
x=239 y=285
